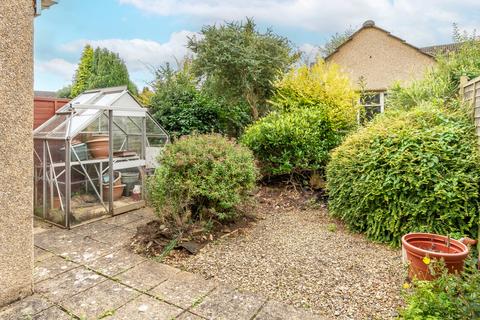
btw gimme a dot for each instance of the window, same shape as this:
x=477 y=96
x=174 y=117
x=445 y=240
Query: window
x=373 y=103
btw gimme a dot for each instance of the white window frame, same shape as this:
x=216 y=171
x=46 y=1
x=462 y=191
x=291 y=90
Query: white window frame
x=381 y=104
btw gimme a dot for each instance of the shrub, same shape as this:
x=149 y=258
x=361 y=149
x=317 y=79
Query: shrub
x=315 y=107
x=407 y=171
x=202 y=177
x=449 y=297
x=323 y=87
x=441 y=84
x=291 y=142
x=183 y=107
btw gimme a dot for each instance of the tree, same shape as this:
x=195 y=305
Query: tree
x=336 y=41
x=239 y=63
x=99 y=68
x=64 y=92
x=180 y=107
x=84 y=72
x=145 y=97
x=108 y=70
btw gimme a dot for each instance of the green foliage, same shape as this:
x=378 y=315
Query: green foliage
x=108 y=70
x=145 y=96
x=239 y=63
x=84 y=71
x=202 y=177
x=336 y=41
x=100 y=68
x=323 y=87
x=407 y=171
x=64 y=92
x=449 y=297
x=292 y=142
x=183 y=107
x=315 y=110
x=440 y=85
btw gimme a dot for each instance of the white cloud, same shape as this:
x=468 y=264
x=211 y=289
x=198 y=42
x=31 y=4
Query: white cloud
x=138 y=54
x=56 y=67
x=419 y=22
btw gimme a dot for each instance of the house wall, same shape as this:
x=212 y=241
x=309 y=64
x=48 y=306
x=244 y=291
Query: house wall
x=16 y=149
x=381 y=59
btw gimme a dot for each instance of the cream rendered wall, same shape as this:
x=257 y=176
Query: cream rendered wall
x=380 y=59
x=16 y=147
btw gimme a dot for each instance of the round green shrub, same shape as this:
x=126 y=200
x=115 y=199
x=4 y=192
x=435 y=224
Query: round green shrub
x=292 y=142
x=202 y=177
x=407 y=171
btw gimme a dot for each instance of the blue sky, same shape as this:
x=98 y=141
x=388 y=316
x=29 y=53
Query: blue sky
x=153 y=32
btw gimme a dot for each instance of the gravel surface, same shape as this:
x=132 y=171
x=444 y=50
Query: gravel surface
x=295 y=253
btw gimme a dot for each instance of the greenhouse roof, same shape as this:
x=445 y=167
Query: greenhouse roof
x=86 y=108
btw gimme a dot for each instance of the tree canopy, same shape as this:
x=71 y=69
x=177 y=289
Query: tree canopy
x=240 y=63
x=99 y=68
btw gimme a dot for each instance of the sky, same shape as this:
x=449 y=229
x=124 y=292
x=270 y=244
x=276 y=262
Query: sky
x=149 y=33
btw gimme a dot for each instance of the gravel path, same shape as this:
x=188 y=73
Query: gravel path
x=302 y=257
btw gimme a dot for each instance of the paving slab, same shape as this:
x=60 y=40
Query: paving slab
x=189 y=316
x=56 y=240
x=146 y=308
x=68 y=284
x=99 y=300
x=225 y=304
x=93 y=228
x=147 y=212
x=116 y=237
x=39 y=254
x=86 y=250
x=138 y=223
x=53 y=313
x=51 y=267
x=273 y=310
x=25 y=308
x=184 y=289
x=122 y=219
x=114 y=263
x=147 y=275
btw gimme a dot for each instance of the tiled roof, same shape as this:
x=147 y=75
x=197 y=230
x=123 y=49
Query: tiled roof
x=441 y=49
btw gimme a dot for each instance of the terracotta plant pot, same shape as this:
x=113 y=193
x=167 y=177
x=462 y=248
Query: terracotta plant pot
x=117 y=192
x=98 y=147
x=417 y=246
x=117 y=180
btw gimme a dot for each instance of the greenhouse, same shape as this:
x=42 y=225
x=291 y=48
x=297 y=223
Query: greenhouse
x=91 y=158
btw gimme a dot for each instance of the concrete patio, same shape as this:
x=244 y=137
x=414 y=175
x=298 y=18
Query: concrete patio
x=89 y=273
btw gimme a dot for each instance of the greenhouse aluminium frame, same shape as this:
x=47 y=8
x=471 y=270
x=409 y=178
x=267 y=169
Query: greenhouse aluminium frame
x=68 y=123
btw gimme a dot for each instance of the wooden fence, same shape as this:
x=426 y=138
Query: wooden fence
x=470 y=91
x=44 y=108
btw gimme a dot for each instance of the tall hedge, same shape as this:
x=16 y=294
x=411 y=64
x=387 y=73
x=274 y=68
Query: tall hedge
x=407 y=171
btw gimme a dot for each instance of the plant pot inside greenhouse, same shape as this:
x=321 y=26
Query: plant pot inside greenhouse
x=116 y=131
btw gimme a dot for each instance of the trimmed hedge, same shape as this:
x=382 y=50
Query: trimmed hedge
x=202 y=177
x=292 y=142
x=407 y=171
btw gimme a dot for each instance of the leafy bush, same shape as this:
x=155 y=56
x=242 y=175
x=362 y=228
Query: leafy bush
x=407 y=171
x=183 y=107
x=315 y=109
x=323 y=87
x=292 y=142
x=202 y=177
x=441 y=84
x=449 y=297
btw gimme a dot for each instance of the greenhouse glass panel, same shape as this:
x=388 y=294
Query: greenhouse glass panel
x=91 y=158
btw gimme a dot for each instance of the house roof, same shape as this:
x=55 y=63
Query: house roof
x=371 y=24
x=442 y=48
x=40 y=93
